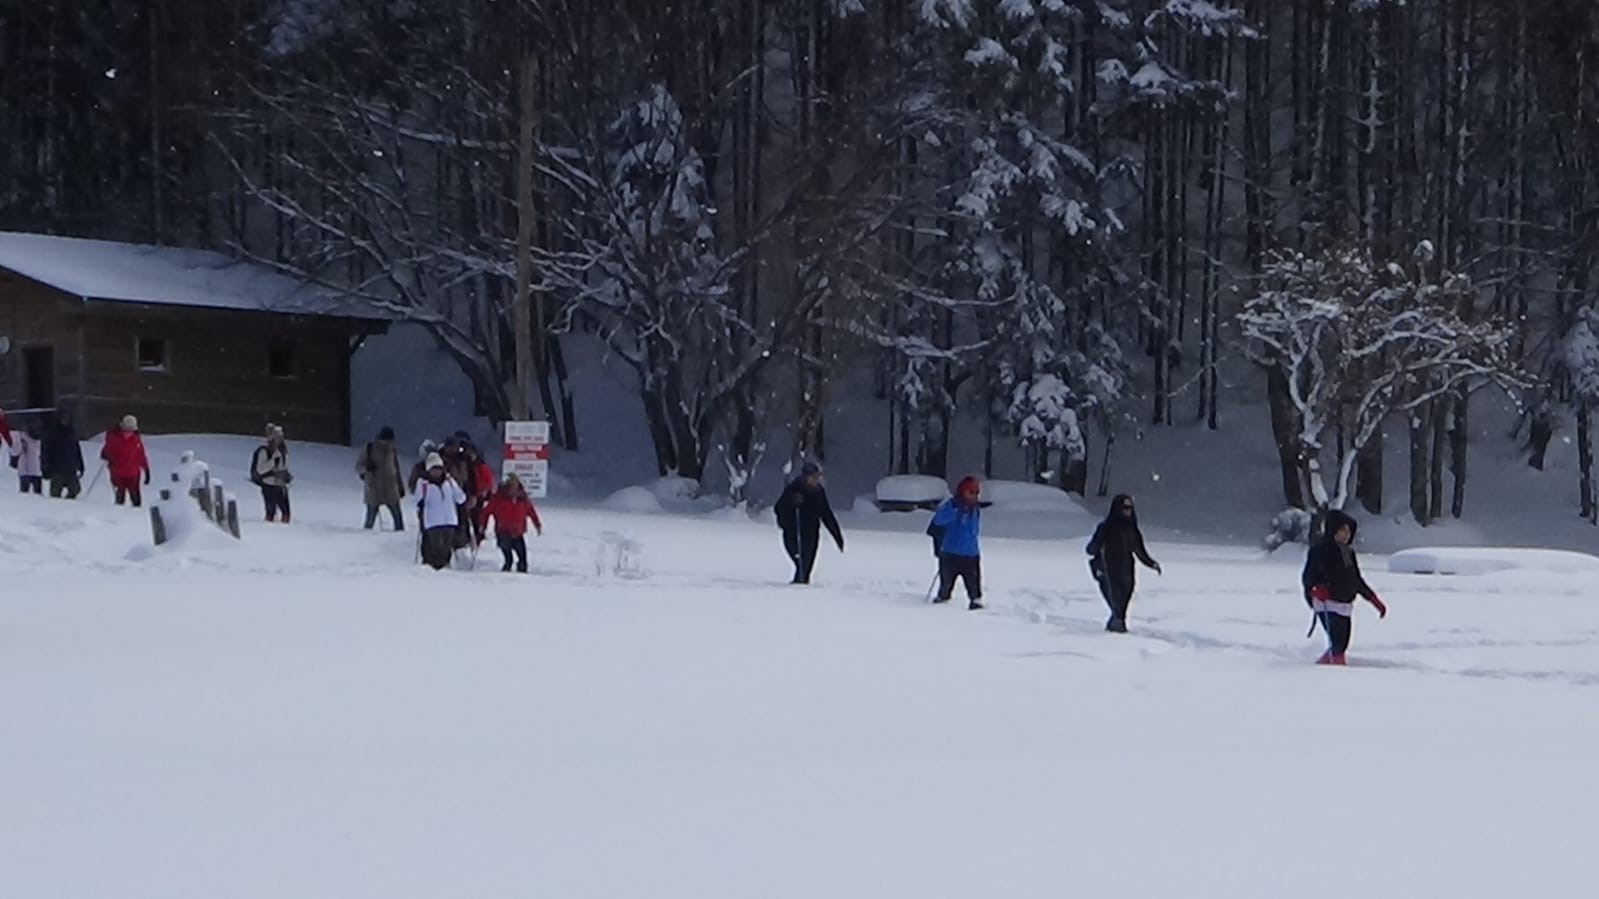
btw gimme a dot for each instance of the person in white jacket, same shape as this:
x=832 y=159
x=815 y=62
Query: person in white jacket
x=26 y=459
x=437 y=497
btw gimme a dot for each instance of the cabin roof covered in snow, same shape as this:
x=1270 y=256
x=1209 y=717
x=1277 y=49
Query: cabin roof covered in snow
x=166 y=276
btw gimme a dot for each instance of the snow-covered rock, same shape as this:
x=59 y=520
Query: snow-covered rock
x=1490 y=560
x=902 y=492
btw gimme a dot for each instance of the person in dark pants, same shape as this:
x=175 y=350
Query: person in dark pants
x=956 y=527
x=269 y=470
x=1111 y=551
x=1332 y=580
x=801 y=512
x=61 y=457
x=511 y=511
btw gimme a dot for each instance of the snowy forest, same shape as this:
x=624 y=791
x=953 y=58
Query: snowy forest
x=1058 y=219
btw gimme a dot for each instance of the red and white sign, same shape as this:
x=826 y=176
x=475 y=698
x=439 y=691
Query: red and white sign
x=527 y=455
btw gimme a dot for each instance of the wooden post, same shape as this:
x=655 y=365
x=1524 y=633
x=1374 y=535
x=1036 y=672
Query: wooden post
x=233 y=517
x=219 y=504
x=158 y=531
x=203 y=497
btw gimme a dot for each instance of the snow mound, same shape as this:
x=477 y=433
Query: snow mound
x=1021 y=496
x=903 y=492
x=634 y=501
x=1472 y=561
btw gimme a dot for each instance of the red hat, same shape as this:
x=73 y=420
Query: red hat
x=968 y=484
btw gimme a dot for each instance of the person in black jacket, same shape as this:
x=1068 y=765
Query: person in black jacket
x=801 y=511
x=1332 y=580
x=61 y=457
x=1115 y=544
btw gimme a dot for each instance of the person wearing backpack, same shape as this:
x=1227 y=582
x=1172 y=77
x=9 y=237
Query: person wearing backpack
x=1116 y=543
x=802 y=510
x=1332 y=580
x=382 y=482
x=269 y=470
x=956 y=528
x=438 y=502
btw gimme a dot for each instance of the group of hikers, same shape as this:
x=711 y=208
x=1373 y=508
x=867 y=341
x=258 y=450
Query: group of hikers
x=457 y=495
x=1331 y=579
x=457 y=498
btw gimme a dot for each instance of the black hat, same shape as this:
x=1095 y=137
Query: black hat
x=810 y=468
x=386 y=433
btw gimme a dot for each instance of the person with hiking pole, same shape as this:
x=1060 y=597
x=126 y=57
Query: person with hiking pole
x=1116 y=543
x=438 y=502
x=1332 y=580
x=802 y=510
x=61 y=457
x=956 y=528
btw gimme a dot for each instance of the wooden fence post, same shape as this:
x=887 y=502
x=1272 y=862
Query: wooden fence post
x=158 y=531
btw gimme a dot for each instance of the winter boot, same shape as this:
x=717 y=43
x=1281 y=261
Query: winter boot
x=974 y=605
x=1330 y=658
x=1116 y=626
x=940 y=599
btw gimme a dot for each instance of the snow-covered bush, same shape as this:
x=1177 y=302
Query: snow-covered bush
x=1291 y=525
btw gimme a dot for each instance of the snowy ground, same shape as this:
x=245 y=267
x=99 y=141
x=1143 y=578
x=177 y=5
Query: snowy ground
x=654 y=713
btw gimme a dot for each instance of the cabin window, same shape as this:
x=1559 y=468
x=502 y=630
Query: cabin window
x=152 y=353
x=280 y=362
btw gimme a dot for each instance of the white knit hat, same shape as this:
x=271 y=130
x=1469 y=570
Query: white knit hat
x=434 y=460
x=129 y=423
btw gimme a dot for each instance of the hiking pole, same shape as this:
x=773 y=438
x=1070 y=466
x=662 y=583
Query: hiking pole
x=97 y=473
x=931 y=587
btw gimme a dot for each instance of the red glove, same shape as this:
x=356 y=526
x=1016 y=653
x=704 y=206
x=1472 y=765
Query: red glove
x=1382 y=610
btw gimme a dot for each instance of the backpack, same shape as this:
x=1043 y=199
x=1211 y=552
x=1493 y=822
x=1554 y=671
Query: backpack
x=255 y=458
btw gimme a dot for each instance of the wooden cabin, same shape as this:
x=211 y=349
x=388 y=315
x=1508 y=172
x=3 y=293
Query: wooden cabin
x=187 y=340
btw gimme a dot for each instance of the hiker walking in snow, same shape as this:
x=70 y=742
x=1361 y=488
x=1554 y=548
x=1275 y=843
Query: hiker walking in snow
x=955 y=529
x=801 y=512
x=61 y=457
x=125 y=459
x=463 y=471
x=1111 y=551
x=438 y=502
x=25 y=458
x=511 y=510
x=479 y=493
x=1332 y=580
x=382 y=483
x=420 y=469
x=269 y=470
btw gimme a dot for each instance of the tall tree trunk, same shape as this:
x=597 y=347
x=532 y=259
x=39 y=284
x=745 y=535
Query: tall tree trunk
x=1285 y=431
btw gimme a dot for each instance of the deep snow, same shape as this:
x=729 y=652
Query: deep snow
x=654 y=714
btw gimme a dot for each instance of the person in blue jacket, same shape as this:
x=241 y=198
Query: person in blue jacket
x=955 y=529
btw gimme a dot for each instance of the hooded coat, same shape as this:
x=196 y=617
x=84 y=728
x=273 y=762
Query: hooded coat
x=378 y=465
x=1116 y=543
x=1333 y=565
x=61 y=455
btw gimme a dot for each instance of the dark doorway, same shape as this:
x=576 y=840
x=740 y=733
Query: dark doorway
x=39 y=377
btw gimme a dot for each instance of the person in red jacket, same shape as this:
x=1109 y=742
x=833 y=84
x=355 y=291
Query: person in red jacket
x=5 y=429
x=125 y=460
x=480 y=492
x=511 y=510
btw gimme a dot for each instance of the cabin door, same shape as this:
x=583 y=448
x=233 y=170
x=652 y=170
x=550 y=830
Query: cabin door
x=39 y=377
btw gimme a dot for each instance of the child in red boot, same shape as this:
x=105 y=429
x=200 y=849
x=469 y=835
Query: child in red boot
x=1332 y=581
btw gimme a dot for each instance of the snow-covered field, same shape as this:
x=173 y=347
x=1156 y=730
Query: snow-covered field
x=654 y=713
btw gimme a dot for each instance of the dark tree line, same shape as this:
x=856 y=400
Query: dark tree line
x=1040 y=219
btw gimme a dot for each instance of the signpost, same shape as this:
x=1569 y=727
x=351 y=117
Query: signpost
x=527 y=455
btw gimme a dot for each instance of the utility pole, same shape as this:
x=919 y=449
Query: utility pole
x=527 y=404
